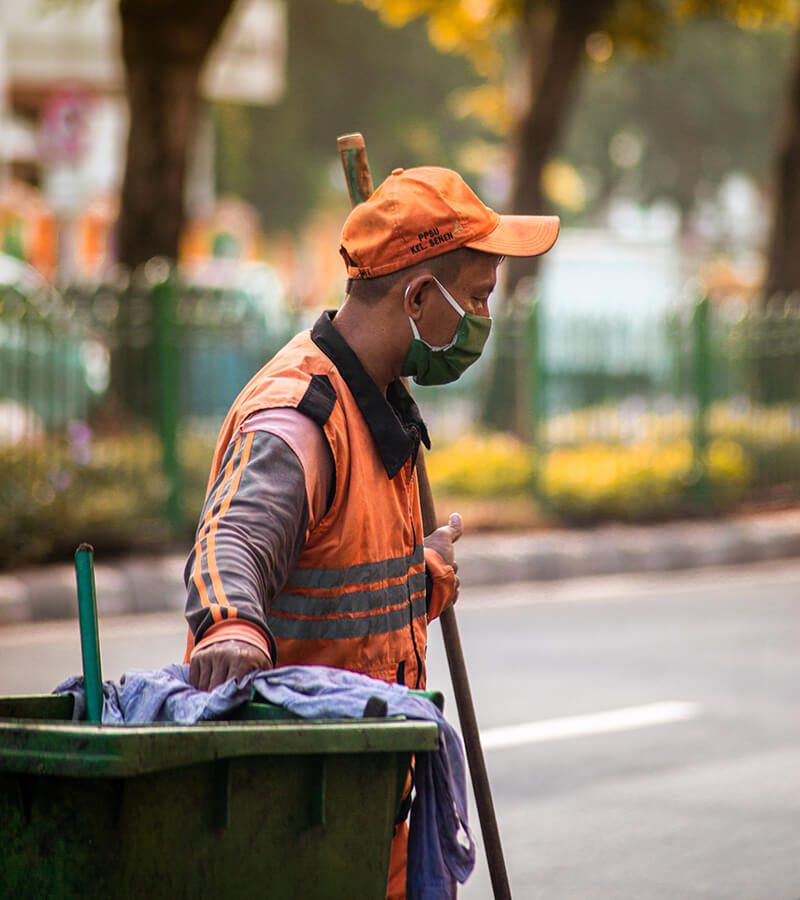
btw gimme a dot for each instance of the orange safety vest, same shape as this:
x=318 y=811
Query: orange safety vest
x=356 y=598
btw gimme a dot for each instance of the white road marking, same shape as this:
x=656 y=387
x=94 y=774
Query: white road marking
x=627 y=719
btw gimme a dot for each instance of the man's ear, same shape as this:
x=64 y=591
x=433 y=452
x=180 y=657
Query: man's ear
x=413 y=296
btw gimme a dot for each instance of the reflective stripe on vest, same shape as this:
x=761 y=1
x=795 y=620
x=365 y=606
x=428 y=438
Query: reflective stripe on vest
x=370 y=601
x=318 y=629
x=337 y=612
x=363 y=573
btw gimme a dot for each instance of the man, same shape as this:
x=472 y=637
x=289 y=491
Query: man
x=310 y=547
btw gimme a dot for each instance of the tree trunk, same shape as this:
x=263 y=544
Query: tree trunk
x=164 y=46
x=783 y=264
x=774 y=364
x=553 y=69
x=554 y=47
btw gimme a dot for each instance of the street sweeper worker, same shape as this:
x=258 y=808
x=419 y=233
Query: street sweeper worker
x=310 y=547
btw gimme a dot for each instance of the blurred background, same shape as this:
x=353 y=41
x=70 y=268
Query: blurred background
x=171 y=199
x=170 y=205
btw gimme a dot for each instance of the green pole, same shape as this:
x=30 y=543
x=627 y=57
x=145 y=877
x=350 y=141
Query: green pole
x=537 y=387
x=90 y=639
x=701 y=329
x=164 y=301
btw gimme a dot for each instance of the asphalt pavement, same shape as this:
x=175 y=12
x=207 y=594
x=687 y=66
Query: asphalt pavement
x=642 y=732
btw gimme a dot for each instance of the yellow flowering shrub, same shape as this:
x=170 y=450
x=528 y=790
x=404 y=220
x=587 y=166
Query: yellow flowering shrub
x=601 y=465
x=641 y=482
x=107 y=490
x=770 y=437
x=729 y=470
x=493 y=465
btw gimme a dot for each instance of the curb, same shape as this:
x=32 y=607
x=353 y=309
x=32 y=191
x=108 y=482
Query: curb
x=155 y=584
x=618 y=549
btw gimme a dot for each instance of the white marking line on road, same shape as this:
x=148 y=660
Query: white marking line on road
x=627 y=719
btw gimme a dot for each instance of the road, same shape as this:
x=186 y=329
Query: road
x=657 y=753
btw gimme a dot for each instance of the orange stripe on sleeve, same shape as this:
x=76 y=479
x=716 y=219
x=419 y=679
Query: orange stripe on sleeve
x=216 y=581
x=197 y=575
x=187 y=655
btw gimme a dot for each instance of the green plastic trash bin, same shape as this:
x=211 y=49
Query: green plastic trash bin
x=260 y=807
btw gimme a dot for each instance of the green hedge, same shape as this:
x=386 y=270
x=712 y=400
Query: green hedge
x=108 y=491
x=602 y=465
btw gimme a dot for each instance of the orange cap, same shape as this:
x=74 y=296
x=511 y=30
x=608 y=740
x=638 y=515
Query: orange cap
x=417 y=214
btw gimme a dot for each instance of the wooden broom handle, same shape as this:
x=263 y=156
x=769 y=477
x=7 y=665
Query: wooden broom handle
x=353 y=151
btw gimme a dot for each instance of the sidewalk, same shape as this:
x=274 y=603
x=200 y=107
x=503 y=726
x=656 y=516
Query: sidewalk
x=152 y=584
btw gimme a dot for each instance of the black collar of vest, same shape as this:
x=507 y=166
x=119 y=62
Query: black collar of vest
x=394 y=420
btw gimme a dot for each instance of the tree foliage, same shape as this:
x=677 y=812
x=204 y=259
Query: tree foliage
x=476 y=28
x=345 y=72
x=687 y=125
x=504 y=38
x=535 y=51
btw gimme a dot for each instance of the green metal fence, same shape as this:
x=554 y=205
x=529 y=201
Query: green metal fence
x=632 y=414
x=110 y=401
x=111 y=398
x=705 y=373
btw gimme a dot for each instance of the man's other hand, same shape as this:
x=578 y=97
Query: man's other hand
x=442 y=541
x=443 y=538
x=218 y=663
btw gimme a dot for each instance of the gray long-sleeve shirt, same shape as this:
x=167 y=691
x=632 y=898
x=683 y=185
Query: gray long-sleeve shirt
x=272 y=488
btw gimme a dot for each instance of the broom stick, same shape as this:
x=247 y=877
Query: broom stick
x=353 y=152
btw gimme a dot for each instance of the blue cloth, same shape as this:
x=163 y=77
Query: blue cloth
x=441 y=850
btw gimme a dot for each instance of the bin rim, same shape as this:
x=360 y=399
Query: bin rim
x=80 y=750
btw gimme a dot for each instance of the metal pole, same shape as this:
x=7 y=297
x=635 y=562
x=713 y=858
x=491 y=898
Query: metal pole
x=164 y=303
x=701 y=330
x=90 y=639
x=537 y=392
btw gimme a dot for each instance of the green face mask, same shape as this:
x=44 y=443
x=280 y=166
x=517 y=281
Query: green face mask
x=441 y=365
